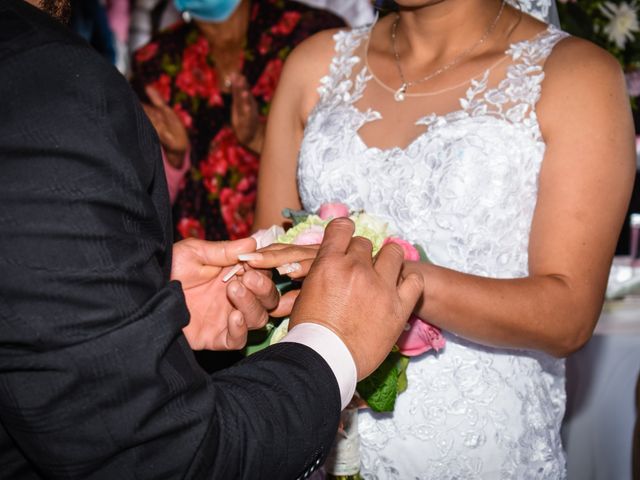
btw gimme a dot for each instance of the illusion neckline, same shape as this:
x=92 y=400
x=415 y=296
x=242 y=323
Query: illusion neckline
x=435 y=117
x=365 y=56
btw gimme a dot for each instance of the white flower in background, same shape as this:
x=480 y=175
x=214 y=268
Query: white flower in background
x=623 y=22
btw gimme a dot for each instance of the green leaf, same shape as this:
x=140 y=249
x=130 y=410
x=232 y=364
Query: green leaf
x=296 y=216
x=169 y=66
x=380 y=389
x=403 y=363
x=258 y=339
x=422 y=253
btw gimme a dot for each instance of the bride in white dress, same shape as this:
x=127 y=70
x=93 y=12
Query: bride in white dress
x=505 y=148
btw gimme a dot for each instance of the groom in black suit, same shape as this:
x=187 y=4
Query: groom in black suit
x=97 y=375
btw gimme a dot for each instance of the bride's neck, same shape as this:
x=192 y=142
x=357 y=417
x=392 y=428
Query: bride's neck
x=443 y=28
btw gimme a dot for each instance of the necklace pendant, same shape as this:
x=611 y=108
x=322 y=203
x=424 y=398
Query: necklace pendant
x=399 y=95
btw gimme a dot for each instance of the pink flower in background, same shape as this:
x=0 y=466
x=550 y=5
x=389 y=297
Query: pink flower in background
x=183 y=115
x=410 y=252
x=163 y=86
x=311 y=236
x=633 y=82
x=190 y=227
x=147 y=52
x=333 y=210
x=420 y=337
x=287 y=23
x=266 y=84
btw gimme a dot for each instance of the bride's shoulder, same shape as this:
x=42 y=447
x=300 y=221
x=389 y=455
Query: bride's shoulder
x=580 y=61
x=304 y=68
x=319 y=48
x=584 y=85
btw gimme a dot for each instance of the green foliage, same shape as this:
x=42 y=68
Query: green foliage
x=169 y=66
x=296 y=216
x=381 y=388
x=422 y=253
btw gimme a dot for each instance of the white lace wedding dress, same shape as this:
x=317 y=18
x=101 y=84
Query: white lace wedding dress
x=465 y=189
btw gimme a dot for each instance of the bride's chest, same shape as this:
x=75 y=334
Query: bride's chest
x=460 y=163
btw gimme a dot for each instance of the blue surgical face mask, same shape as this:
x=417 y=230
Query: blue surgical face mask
x=208 y=10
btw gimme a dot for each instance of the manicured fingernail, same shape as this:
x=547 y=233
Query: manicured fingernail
x=289 y=268
x=230 y=274
x=247 y=257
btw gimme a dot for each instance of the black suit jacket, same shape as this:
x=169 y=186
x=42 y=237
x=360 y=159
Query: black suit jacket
x=96 y=378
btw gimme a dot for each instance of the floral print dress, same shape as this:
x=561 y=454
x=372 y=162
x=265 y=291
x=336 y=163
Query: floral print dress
x=217 y=198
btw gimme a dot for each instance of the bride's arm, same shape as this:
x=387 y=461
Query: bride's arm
x=293 y=101
x=584 y=189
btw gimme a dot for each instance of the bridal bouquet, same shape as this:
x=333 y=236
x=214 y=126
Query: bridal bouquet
x=382 y=387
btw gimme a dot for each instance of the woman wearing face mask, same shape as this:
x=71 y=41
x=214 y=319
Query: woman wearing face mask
x=207 y=84
x=505 y=149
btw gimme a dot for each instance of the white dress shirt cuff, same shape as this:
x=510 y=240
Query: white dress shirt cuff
x=330 y=347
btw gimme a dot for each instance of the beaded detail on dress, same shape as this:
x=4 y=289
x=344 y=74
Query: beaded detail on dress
x=465 y=190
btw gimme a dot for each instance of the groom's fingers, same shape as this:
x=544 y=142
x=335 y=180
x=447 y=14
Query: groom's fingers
x=286 y=304
x=337 y=236
x=236 y=334
x=388 y=262
x=362 y=248
x=262 y=287
x=243 y=299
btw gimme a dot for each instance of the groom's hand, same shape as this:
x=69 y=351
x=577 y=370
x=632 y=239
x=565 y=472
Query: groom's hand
x=220 y=313
x=366 y=303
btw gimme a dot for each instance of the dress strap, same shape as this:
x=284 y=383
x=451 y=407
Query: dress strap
x=529 y=57
x=536 y=50
x=338 y=86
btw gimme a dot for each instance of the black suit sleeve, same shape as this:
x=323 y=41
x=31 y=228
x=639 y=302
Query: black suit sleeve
x=96 y=378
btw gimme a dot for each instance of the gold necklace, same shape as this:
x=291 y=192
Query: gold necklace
x=399 y=94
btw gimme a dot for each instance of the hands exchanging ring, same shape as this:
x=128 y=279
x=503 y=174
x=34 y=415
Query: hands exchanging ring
x=221 y=312
x=365 y=301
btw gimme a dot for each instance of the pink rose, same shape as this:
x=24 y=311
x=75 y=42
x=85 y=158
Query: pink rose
x=311 y=236
x=410 y=252
x=333 y=210
x=420 y=337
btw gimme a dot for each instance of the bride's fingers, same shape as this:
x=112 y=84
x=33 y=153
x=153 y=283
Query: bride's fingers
x=295 y=270
x=285 y=305
x=282 y=246
x=277 y=257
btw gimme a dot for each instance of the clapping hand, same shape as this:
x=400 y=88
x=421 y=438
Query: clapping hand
x=245 y=120
x=171 y=131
